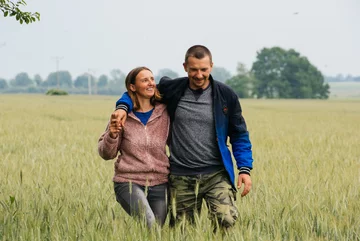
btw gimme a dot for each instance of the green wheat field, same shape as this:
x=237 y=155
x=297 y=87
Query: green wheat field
x=54 y=185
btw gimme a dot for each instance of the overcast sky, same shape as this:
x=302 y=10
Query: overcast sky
x=123 y=34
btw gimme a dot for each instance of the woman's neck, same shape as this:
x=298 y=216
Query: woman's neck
x=144 y=105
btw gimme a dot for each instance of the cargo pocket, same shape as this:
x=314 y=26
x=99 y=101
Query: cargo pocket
x=232 y=194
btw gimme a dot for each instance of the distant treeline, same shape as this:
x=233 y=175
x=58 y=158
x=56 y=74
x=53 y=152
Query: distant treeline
x=276 y=73
x=342 y=78
x=114 y=84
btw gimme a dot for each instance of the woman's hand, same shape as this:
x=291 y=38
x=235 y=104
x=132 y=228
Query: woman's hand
x=115 y=126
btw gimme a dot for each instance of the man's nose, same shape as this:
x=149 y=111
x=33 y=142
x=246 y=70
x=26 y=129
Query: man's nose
x=199 y=74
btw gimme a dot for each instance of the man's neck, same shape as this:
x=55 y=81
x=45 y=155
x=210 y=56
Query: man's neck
x=199 y=89
x=194 y=88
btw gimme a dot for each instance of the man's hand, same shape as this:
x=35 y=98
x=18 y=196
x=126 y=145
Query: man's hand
x=246 y=179
x=117 y=122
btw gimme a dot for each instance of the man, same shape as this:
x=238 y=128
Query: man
x=203 y=114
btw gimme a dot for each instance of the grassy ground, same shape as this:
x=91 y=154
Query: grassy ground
x=54 y=186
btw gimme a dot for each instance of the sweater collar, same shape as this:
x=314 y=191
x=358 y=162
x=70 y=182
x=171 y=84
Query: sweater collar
x=158 y=111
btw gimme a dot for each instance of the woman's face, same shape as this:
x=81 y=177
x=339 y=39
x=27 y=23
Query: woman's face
x=144 y=84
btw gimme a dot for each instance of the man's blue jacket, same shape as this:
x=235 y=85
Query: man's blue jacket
x=229 y=121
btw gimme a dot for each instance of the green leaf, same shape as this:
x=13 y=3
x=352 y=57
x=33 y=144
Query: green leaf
x=6 y=13
x=26 y=20
x=12 y=199
x=21 y=176
x=17 y=17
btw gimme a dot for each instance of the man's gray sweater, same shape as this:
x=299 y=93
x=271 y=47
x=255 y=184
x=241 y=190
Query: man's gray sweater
x=193 y=146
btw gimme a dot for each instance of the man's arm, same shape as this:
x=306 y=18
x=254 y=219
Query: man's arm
x=241 y=145
x=122 y=107
x=124 y=103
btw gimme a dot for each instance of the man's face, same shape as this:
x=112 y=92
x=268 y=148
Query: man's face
x=198 y=72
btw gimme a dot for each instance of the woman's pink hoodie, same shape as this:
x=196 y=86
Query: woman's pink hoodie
x=142 y=159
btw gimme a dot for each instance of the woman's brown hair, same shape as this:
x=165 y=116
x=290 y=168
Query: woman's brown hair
x=130 y=79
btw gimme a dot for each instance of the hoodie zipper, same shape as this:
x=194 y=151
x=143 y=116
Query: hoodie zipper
x=147 y=146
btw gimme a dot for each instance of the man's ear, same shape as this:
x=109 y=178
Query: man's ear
x=211 y=66
x=132 y=88
x=185 y=66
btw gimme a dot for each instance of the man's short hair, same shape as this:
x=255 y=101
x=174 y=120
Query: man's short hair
x=198 y=51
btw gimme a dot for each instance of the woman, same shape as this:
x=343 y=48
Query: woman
x=142 y=168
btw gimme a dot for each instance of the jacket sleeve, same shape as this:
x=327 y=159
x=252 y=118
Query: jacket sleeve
x=125 y=103
x=162 y=86
x=168 y=88
x=239 y=137
x=108 y=147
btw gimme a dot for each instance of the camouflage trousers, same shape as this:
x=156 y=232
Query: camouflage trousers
x=188 y=192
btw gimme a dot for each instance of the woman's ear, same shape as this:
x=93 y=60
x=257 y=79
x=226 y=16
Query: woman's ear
x=132 y=88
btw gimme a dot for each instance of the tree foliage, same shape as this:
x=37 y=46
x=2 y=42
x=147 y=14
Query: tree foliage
x=12 y=9
x=38 y=80
x=82 y=81
x=242 y=82
x=166 y=72
x=3 y=84
x=56 y=92
x=22 y=83
x=117 y=80
x=342 y=78
x=287 y=74
x=117 y=77
x=103 y=81
x=21 y=80
x=221 y=74
x=59 y=79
